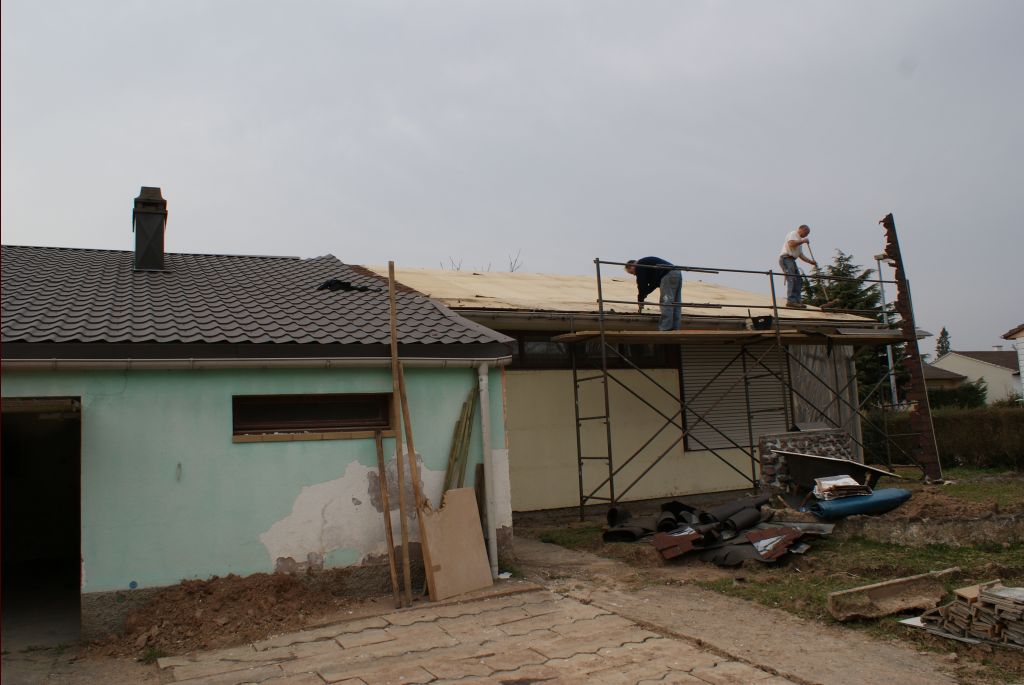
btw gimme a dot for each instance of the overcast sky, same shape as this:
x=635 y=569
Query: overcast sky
x=428 y=131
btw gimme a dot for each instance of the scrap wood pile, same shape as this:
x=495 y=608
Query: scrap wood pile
x=989 y=612
x=726 y=535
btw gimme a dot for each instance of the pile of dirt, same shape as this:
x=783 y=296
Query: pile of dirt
x=221 y=612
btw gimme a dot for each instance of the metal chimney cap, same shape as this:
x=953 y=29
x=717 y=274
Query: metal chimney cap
x=150 y=200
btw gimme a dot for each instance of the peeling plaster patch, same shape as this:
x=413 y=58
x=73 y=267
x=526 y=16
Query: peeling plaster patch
x=391 y=470
x=335 y=515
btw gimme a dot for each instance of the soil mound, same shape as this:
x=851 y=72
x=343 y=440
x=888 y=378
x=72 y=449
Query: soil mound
x=227 y=611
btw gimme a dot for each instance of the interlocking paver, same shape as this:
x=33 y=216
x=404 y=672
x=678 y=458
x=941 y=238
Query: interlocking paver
x=316 y=634
x=468 y=629
x=609 y=624
x=371 y=636
x=301 y=650
x=672 y=679
x=502 y=616
x=210 y=667
x=567 y=646
x=298 y=679
x=426 y=634
x=453 y=669
x=532 y=637
x=249 y=674
x=410 y=616
x=730 y=673
x=675 y=654
x=531 y=623
x=402 y=674
x=512 y=659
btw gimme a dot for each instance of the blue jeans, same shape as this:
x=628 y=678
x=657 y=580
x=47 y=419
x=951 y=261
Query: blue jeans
x=671 y=289
x=793 y=283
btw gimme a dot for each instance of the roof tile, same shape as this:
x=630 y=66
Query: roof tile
x=77 y=295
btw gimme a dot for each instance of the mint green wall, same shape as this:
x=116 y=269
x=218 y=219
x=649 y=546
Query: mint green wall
x=140 y=523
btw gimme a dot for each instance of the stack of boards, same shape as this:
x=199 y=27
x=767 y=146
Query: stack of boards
x=988 y=612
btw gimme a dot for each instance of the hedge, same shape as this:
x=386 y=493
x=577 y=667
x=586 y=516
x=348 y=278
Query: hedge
x=988 y=437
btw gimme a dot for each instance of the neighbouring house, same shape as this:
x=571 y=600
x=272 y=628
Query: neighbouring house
x=941 y=379
x=1016 y=335
x=999 y=368
x=174 y=416
x=715 y=455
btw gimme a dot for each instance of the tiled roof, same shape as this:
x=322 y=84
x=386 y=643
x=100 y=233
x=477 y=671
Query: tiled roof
x=63 y=295
x=1005 y=358
x=934 y=373
x=1014 y=332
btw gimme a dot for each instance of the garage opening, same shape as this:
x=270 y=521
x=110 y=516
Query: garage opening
x=41 y=471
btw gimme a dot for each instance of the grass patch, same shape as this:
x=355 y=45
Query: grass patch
x=985 y=485
x=584 y=536
x=802 y=586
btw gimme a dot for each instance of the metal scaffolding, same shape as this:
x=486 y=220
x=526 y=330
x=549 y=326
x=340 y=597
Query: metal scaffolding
x=754 y=359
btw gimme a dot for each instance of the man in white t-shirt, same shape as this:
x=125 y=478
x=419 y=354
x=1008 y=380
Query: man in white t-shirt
x=792 y=250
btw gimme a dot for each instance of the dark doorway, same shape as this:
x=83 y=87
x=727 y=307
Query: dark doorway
x=41 y=460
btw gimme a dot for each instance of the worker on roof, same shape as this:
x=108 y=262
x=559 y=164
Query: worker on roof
x=654 y=272
x=792 y=250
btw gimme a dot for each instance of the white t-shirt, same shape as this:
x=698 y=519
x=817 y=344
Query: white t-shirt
x=787 y=251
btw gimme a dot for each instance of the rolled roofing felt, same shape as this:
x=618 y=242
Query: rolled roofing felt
x=667 y=521
x=724 y=511
x=743 y=519
x=617 y=516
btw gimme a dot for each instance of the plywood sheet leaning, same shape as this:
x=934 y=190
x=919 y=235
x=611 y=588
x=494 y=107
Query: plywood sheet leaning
x=455 y=542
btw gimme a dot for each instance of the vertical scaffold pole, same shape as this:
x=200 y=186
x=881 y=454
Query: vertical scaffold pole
x=750 y=418
x=576 y=408
x=786 y=382
x=604 y=382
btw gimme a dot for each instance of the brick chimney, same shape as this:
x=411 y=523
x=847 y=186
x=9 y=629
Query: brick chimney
x=148 y=221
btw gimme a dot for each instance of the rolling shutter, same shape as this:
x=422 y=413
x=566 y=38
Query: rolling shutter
x=713 y=381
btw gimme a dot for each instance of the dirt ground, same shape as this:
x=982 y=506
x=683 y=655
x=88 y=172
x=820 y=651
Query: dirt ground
x=800 y=584
x=222 y=612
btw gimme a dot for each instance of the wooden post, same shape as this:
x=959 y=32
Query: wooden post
x=385 y=503
x=396 y=413
x=414 y=474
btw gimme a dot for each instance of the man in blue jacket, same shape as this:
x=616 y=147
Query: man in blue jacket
x=654 y=272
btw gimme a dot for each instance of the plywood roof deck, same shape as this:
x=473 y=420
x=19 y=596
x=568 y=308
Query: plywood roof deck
x=533 y=292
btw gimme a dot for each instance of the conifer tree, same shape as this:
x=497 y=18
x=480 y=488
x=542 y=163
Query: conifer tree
x=942 y=344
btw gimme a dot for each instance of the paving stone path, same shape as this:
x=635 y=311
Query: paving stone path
x=531 y=637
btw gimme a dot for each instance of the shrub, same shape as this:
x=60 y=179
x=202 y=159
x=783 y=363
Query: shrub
x=988 y=437
x=1011 y=401
x=966 y=395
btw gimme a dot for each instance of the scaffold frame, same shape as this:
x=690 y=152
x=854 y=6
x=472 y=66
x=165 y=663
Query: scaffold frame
x=781 y=338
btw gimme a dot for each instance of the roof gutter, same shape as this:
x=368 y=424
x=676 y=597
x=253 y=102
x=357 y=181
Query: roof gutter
x=193 y=364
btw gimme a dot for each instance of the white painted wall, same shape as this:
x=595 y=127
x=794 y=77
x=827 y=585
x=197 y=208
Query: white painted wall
x=1001 y=381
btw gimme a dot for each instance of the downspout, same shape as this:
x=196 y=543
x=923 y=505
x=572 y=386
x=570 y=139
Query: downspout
x=485 y=430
